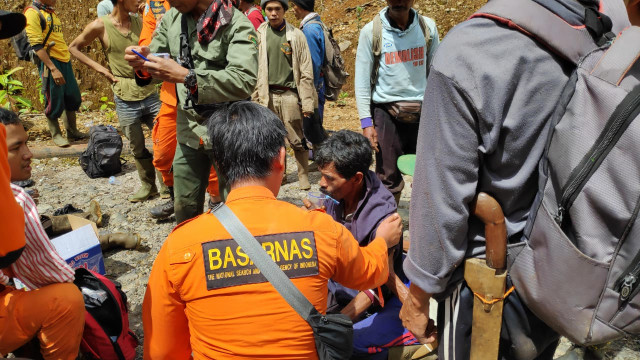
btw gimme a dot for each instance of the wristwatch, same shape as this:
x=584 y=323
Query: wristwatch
x=190 y=81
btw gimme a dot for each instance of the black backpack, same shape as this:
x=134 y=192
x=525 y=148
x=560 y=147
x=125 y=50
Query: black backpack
x=102 y=157
x=22 y=47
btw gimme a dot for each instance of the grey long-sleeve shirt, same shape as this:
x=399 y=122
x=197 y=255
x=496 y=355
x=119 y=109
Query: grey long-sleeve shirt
x=483 y=128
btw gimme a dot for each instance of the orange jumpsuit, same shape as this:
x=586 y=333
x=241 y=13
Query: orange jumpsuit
x=54 y=313
x=205 y=298
x=164 y=130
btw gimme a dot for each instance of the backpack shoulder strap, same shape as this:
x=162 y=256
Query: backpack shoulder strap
x=620 y=57
x=316 y=22
x=43 y=21
x=570 y=42
x=44 y=42
x=425 y=29
x=427 y=37
x=376 y=47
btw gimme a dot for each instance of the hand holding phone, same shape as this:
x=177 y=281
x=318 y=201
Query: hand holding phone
x=140 y=55
x=136 y=56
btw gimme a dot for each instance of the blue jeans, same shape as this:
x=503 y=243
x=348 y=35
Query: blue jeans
x=141 y=111
x=131 y=116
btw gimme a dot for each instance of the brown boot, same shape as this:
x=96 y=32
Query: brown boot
x=60 y=225
x=302 y=158
x=95 y=213
x=123 y=240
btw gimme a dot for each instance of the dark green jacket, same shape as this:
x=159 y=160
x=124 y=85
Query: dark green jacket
x=226 y=68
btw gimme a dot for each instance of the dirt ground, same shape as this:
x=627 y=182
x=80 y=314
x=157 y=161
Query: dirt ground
x=61 y=181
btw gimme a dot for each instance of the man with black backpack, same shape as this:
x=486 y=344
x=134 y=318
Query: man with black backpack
x=392 y=63
x=494 y=93
x=59 y=84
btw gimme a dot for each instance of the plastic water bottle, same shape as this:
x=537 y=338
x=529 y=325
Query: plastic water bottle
x=113 y=180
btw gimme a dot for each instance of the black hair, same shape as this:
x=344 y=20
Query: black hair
x=349 y=152
x=246 y=137
x=8 y=117
x=114 y=2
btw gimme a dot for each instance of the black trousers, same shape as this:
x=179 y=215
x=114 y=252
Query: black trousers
x=395 y=138
x=523 y=336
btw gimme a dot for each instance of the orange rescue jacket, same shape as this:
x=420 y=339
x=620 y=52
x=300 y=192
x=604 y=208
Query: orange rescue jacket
x=205 y=298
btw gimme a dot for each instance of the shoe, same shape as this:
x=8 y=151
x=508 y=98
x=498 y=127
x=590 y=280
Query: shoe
x=302 y=158
x=123 y=240
x=162 y=211
x=147 y=175
x=56 y=133
x=69 y=121
x=165 y=209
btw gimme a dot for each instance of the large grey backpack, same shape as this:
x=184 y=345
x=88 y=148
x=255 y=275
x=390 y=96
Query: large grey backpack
x=333 y=68
x=579 y=267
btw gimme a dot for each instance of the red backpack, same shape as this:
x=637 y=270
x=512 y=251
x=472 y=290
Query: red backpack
x=106 y=330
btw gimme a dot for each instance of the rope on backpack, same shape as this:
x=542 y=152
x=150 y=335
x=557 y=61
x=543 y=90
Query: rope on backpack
x=491 y=302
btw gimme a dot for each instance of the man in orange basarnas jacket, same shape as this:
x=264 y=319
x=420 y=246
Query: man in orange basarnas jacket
x=164 y=129
x=206 y=300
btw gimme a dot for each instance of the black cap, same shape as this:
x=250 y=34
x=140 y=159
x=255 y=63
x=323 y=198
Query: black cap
x=12 y=24
x=285 y=3
x=305 y=4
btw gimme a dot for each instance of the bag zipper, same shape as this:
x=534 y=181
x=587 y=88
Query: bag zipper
x=629 y=281
x=336 y=319
x=617 y=124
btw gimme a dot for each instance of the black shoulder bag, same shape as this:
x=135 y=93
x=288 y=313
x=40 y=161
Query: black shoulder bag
x=333 y=333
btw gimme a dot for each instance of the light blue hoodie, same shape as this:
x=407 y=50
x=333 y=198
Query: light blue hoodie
x=403 y=64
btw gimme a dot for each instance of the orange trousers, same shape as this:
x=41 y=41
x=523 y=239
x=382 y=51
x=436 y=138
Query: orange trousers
x=164 y=147
x=54 y=313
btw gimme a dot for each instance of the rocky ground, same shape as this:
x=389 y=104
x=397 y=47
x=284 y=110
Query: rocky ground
x=61 y=181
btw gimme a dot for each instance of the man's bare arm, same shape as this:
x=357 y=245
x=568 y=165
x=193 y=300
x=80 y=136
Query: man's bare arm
x=95 y=30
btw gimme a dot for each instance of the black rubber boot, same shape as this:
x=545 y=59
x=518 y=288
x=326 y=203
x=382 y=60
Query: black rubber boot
x=163 y=210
